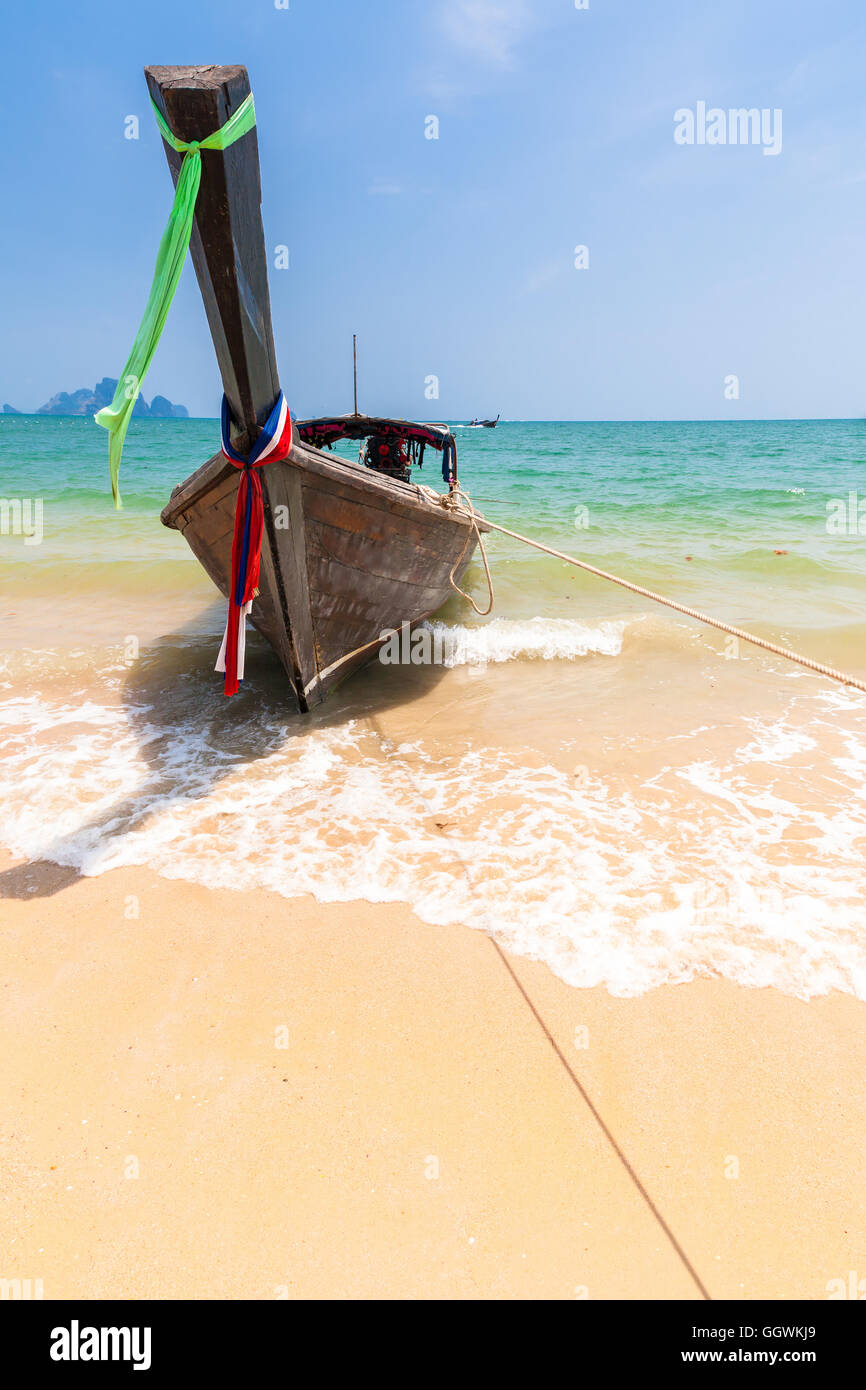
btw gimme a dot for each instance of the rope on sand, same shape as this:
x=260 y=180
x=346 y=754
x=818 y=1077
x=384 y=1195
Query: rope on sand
x=451 y=502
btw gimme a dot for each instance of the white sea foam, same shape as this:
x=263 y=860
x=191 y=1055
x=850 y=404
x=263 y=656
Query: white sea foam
x=774 y=742
x=609 y=882
x=509 y=639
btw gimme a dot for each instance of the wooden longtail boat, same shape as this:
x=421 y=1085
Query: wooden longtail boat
x=349 y=551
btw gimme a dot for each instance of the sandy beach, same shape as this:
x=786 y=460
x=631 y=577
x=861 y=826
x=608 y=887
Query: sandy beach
x=540 y=976
x=237 y=1096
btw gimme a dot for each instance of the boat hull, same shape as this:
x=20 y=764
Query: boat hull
x=347 y=555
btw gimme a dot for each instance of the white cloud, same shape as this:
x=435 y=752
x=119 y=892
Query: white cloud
x=486 y=29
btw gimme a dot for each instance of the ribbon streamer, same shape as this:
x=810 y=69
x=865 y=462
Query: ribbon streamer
x=274 y=443
x=169 y=264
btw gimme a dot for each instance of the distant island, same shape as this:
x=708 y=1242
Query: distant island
x=87 y=402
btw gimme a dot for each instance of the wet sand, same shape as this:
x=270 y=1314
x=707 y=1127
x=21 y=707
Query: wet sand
x=211 y=1094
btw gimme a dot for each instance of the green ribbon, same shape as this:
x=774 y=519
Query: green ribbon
x=169 y=263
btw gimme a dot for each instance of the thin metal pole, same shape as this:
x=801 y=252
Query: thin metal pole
x=355 y=354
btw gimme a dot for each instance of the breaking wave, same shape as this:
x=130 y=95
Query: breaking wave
x=539 y=639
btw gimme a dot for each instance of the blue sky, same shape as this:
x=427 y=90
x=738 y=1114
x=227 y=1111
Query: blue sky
x=455 y=256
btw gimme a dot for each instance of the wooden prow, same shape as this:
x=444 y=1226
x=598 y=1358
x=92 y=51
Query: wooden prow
x=231 y=264
x=228 y=241
x=347 y=553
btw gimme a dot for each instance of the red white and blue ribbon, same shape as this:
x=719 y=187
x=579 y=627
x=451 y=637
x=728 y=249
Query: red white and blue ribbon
x=273 y=443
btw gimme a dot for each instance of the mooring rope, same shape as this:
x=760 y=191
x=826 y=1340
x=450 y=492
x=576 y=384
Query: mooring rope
x=451 y=501
x=482 y=612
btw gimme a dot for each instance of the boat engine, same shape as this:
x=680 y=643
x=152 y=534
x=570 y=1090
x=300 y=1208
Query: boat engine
x=389 y=455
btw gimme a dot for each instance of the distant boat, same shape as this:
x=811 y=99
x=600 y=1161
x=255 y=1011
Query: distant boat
x=483 y=424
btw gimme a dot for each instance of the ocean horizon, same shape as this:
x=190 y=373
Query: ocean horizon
x=515 y=420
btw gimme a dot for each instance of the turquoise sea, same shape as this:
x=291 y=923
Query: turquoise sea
x=636 y=498
x=604 y=785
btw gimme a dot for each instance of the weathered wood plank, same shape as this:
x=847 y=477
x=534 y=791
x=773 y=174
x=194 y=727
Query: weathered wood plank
x=282 y=486
x=195 y=488
x=353 y=603
x=363 y=515
x=400 y=555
